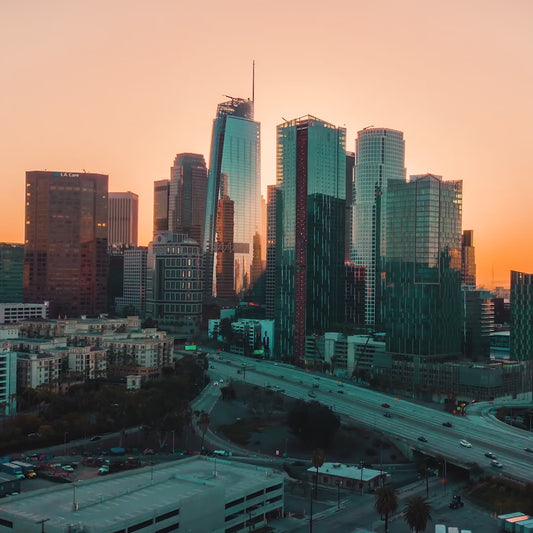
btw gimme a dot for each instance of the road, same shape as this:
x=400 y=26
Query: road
x=405 y=421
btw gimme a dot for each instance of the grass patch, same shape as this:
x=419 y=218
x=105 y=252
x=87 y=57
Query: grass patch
x=504 y=495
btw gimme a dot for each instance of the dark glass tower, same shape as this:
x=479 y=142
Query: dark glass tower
x=66 y=242
x=422 y=277
x=235 y=151
x=310 y=225
x=521 y=340
x=11 y=269
x=187 y=191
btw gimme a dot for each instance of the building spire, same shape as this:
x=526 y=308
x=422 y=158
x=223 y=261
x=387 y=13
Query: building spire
x=253 y=80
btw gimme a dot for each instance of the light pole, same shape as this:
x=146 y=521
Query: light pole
x=361 y=466
x=339 y=485
x=42 y=523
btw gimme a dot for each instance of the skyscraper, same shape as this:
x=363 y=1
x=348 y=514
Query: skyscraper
x=11 y=270
x=422 y=268
x=270 y=291
x=235 y=151
x=225 y=264
x=521 y=340
x=187 y=194
x=468 y=260
x=161 y=204
x=133 y=299
x=311 y=174
x=123 y=219
x=380 y=155
x=65 y=259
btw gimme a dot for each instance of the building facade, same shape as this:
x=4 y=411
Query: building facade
x=311 y=174
x=8 y=379
x=11 y=313
x=468 y=260
x=133 y=299
x=235 y=151
x=380 y=160
x=66 y=231
x=187 y=195
x=422 y=276
x=161 y=205
x=521 y=341
x=11 y=272
x=123 y=219
x=175 y=283
x=225 y=258
x=270 y=289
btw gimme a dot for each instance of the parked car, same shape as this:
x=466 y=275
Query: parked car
x=465 y=444
x=456 y=502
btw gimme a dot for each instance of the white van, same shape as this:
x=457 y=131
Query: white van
x=440 y=528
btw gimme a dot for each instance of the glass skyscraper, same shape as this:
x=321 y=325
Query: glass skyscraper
x=422 y=268
x=11 y=269
x=310 y=225
x=380 y=155
x=521 y=340
x=235 y=152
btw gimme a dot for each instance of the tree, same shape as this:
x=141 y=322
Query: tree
x=318 y=460
x=203 y=424
x=416 y=513
x=386 y=503
x=313 y=423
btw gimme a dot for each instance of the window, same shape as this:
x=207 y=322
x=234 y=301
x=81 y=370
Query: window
x=140 y=525
x=165 y=516
x=172 y=527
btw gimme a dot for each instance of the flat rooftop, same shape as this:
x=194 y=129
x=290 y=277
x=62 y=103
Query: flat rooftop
x=130 y=494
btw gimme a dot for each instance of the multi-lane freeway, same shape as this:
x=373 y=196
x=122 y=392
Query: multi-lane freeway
x=414 y=426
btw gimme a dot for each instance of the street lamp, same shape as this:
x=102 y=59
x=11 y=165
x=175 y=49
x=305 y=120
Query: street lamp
x=339 y=485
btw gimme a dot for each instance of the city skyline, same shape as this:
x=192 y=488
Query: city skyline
x=117 y=90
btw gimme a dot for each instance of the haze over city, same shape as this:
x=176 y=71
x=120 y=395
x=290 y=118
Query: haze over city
x=121 y=88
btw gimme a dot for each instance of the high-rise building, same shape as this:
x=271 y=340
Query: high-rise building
x=65 y=259
x=311 y=174
x=8 y=380
x=235 y=151
x=422 y=275
x=479 y=323
x=123 y=219
x=161 y=205
x=350 y=205
x=225 y=264
x=354 y=294
x=133 y=299
x=380 y=155
x=468 y=260
x=11 y=272
x=270 y=290
x=187 y=194
x=174 y=287
x=521 y=341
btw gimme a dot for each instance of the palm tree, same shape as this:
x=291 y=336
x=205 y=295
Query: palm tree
x=386 y=502
x=416 y=513
x=318 y=460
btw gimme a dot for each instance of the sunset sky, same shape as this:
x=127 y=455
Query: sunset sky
x=120 y=87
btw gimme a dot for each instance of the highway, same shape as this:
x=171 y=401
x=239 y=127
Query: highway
x=403 y=421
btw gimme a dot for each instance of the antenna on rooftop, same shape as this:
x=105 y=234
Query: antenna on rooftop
x=253 y=80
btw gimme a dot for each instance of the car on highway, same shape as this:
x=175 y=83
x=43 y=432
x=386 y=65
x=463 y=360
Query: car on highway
x=490 y=455
x=387 y=415
x=447 y=424
x=311 y=394
x=422 y=439
x=529 y=450
x=496 y=464
x=215 y=383
x=340 y=391
x=465 y=444
x=386 y=405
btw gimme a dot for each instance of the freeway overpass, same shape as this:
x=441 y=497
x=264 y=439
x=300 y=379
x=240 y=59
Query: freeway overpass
x=403 y=420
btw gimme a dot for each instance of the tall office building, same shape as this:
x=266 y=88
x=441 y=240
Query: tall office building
x=422 y=275
x=225 y=264
x=133 y=299
x=8 y=380
x=65 y=259
x=11 y=270
x=161 y=205
x=380 y=155
x=187 y=194
x=235 y=151
x=521 y=340
x=123 y=219
x=311 y=174
x=468 y=260
x=350 y=205
x=270 y=290
x=174 y=287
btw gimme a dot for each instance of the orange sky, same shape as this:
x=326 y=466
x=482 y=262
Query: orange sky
x=120 y=87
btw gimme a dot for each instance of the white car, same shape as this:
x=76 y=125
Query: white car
x=465 y=443
x=215 y=383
